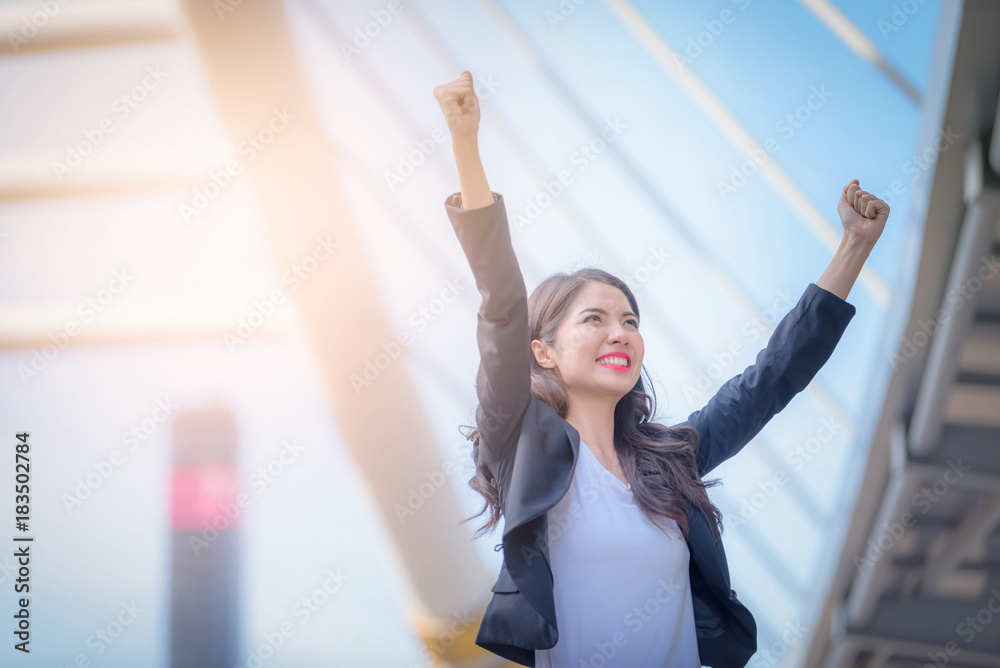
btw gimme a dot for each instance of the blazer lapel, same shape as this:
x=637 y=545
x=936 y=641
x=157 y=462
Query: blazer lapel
x=543 y=465
x=540 y=476
x=706 y=556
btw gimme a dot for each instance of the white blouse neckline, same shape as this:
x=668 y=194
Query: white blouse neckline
x=597 y=461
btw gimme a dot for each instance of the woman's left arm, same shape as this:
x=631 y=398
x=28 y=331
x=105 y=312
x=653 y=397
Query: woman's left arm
x=863 y=216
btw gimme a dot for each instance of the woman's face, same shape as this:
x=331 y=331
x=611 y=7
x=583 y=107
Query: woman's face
x=599 y=324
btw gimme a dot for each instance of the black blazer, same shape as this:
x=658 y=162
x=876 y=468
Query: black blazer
x=532 y=452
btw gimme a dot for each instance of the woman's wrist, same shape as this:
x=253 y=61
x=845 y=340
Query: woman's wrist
x=465 y=145
x=843 y=270
x=853 y=244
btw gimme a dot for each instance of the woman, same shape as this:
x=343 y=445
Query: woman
x=612 y=548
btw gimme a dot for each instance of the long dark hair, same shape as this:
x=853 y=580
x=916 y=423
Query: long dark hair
x=659 y=461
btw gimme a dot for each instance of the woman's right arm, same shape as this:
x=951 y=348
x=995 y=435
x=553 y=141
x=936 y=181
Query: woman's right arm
x=478 y=215
x=461 y=109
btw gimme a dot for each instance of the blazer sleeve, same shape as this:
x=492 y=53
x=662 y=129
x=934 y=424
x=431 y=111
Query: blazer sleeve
x=503 y=382
x=800 y=345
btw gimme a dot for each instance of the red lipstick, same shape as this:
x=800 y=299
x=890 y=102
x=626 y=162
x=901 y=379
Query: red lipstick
x=617 y=367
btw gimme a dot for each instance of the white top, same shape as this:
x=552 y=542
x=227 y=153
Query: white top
x=622 y=590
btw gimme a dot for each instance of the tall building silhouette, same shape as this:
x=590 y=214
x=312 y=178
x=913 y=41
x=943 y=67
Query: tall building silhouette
x=205 y=519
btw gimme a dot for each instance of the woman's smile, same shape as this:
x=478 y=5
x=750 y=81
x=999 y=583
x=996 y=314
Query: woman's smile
x=615 y=361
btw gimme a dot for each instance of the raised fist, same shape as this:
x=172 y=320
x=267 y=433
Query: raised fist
x=862 y=214
x=460 y=105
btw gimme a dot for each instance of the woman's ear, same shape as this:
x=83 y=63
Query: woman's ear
x=541 y=353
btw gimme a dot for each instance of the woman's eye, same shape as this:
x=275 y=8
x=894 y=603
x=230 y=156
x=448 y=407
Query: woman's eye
x=630 y=320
